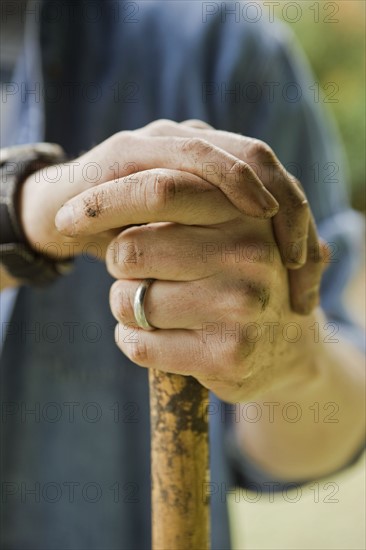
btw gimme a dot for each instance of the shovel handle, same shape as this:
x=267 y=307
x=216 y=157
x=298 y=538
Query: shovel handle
x=179 y=462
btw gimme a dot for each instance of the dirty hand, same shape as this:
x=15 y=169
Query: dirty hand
x=245 y=170
x=219 y=300
x=222 y=289
x=102 y=178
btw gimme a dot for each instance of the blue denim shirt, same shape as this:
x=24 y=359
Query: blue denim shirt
x=75 y=431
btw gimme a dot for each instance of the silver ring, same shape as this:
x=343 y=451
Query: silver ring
x=139 y=302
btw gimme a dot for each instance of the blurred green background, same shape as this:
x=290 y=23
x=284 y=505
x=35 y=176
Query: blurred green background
x=333 y=37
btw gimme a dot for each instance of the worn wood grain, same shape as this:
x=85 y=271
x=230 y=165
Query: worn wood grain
x=179 y=462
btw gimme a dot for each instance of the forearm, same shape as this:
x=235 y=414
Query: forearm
x=311 y=429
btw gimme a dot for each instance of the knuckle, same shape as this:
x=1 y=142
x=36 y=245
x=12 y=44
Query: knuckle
x=244 y=170
x=195 y=146
x=163 y=192
x=262 y=152
x=159 y=127
x=139 y=352
x=128 y=256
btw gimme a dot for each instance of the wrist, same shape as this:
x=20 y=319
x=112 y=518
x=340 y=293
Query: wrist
x=22 y=261
x=39 y=202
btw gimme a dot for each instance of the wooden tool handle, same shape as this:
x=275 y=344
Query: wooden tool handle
x=179 y=462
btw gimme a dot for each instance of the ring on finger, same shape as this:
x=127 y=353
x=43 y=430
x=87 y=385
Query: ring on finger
x=139 y=305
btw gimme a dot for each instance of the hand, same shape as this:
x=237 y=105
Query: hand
x=302 y=252
x=165 y=144
x=220 y=303
x=201 y=223
x=102 y=179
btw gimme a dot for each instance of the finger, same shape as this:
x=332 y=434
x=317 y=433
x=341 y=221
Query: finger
x=149 y=196
x=305 y=282
x=189 y=305
x=166 y=251
x=189 y=353
x=136 y=151
x=168 y=304
x=175 y=351
x=291 y=224
x=294 y=228
x=235 y=144
x=175 y=252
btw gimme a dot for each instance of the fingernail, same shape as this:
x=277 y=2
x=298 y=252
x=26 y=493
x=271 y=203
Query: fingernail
x=267 y=202
x=262 y=202
x=64 y=220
